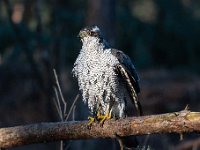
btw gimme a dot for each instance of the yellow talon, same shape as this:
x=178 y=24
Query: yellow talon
x=99 y=116
x=91 y=120
x=104 y=118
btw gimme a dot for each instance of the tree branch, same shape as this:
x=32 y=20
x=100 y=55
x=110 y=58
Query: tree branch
x=177 y=122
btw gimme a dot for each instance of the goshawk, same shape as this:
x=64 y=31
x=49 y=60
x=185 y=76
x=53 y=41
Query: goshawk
x=106 y=77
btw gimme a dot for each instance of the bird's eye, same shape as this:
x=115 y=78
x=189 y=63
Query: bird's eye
x=92 y=33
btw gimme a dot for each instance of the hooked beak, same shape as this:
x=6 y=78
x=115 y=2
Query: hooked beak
x=82 y=34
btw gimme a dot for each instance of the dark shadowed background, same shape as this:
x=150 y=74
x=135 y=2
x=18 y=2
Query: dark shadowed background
x=162 y=37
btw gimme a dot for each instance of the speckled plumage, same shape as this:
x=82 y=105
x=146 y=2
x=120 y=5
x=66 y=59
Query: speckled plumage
x=101 y=78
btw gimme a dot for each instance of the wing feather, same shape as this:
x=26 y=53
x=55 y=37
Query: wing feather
x=127 y=71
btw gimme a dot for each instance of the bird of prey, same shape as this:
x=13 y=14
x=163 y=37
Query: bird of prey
x=106 y=77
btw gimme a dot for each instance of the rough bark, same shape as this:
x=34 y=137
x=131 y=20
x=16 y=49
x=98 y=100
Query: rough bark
x=177 y=122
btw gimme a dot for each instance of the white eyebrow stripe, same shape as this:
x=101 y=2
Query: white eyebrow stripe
x=95 y=29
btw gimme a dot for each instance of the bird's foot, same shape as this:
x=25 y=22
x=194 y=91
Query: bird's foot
x=91 y=121
x=104 y=118
x=99 y=116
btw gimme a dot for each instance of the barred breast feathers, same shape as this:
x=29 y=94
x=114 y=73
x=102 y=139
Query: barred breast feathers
x=96 y=76
x=106 y=76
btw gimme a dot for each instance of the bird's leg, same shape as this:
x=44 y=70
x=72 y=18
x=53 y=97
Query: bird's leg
x=106 y=116
x=96 y=115
x=99 y=116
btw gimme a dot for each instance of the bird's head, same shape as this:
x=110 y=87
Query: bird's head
x=91 y=31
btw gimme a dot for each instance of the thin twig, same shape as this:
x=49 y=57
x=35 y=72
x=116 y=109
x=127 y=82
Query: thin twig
x=146 y=140
x=60 y=92
x=55 y=103
x=120 y=142
x=68 y=145
x=72 y=106
x=73 y=114
x=58 y=104
x=61 y=145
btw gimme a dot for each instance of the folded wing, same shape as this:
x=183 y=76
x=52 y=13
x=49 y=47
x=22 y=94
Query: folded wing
x=127 y=72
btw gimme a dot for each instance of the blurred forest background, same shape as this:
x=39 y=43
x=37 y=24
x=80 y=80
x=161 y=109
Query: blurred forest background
x=161 y=36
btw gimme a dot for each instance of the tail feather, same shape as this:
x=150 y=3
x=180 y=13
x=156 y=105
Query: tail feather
x=138 y=105
x=132 y=87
